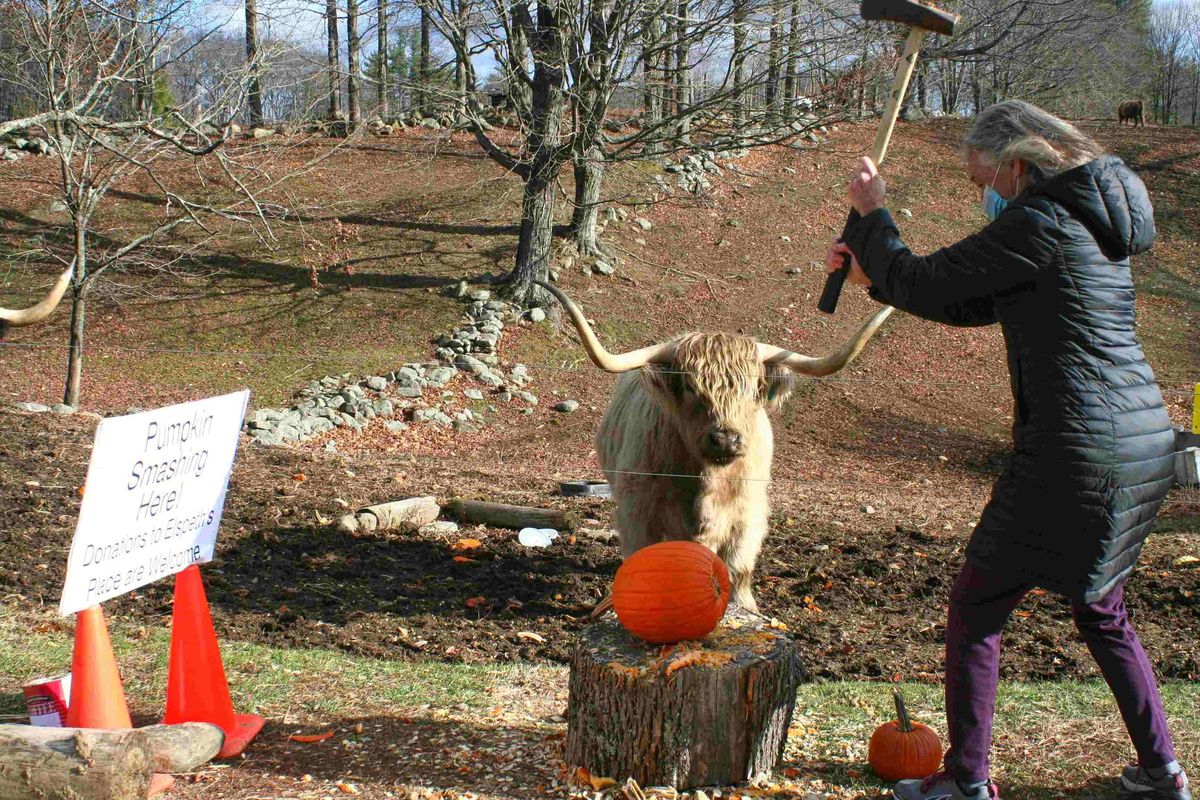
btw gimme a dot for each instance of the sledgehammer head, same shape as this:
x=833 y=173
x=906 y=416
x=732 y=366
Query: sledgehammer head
x=910 y=13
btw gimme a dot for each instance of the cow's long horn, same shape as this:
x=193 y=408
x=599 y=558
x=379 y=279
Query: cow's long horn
x=609 y=362
x=36 y=313
x=807 y=365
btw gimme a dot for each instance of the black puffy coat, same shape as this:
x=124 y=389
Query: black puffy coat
x=1093 y=444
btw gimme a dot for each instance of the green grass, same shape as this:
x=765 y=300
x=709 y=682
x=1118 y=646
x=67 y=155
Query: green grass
x=1059 y=739
x=271 y=681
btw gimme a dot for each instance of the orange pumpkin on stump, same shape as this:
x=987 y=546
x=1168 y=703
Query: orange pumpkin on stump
x=671 y=592
x=904 y=749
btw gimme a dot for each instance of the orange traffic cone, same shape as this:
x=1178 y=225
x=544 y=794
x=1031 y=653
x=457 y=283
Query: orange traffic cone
x=196 y=687
x=97 y=699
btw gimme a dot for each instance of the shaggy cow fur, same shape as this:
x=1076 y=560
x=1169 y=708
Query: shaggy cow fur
x=654 y=446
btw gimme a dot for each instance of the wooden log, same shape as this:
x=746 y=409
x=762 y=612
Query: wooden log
x=708 y=713
x=92 y=764
x=514 y=517
x=405 y=515
x=400 y=515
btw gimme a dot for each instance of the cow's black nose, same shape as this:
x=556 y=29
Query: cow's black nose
x=725 y=443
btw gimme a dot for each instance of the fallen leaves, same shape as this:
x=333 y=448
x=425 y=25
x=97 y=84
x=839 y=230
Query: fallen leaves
x=348 y=788
x=466 y=544
x=309 y=738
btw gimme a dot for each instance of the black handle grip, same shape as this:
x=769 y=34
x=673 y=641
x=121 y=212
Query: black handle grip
x=835 y=280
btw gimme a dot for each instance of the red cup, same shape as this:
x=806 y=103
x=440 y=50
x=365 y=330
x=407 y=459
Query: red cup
x=47 y=700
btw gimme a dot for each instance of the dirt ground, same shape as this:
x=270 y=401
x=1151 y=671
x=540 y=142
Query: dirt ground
x=865 y=599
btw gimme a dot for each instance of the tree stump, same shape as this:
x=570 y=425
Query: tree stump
x=705 y=713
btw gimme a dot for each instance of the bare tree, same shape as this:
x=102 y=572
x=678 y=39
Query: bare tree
x=334 y=67
x=737 y=64
x=1170 y=25
x=87 y=57
x=791 y=89
x=384 y=48
x=423 y=68
x=683 y=70
x=353 y=66
x=252 y=66
x=774 y=58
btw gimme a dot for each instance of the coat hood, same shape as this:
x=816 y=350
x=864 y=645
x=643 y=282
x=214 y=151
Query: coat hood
x=1109 y=199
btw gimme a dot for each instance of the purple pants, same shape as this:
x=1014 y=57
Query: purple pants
x=980 y=605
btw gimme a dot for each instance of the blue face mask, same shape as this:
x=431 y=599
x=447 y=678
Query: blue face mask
x=993 y=204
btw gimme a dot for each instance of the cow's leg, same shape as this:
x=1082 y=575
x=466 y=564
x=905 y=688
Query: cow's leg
x=641 y=518
x=740 y=557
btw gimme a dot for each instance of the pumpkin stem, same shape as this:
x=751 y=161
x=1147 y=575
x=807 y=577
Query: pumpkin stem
x=901 y=712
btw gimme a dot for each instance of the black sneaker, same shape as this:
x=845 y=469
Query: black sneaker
x=1173 y=785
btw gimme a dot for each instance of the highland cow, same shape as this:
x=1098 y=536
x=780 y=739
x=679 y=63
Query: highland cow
x=686 y=442
x=1132 y=110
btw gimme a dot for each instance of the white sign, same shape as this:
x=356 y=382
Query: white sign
x=153 y=498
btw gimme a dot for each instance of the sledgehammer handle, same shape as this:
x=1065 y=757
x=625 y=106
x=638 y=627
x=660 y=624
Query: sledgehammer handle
x=883 y=136
x=835 y=280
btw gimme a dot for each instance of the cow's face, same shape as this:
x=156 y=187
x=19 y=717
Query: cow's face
x=713 y=391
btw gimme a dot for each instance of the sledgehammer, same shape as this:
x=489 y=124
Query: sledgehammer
x=920 y=18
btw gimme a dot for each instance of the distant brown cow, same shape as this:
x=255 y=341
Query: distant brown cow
x=16 y=317
x=1132 y=110
x=686 y=443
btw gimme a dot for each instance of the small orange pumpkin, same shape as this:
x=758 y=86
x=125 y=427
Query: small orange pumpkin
x=671 y=592
x=904 y=749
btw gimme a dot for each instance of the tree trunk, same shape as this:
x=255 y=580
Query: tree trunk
x=976 y=89
x=75 y=347
x=861 y=88
x=88 y=764
x=255 y=91
x=546 y=155
x=423 y=71
x=79 y=292
x=683 y=76
x=790 y=89
x=519 y=93
x=589 y=176
x=922 y=99
x=720 y=720
x=381 y=75
x=668 y=71
x=333 y=59
x=460 y=87
x=536 y=239
x=652 y=81
x=738 y=63
x=773 y=60
x=353 y=68
x=139 y=83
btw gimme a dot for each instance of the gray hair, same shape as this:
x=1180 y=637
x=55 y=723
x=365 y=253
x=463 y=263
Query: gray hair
x=1014 y=129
